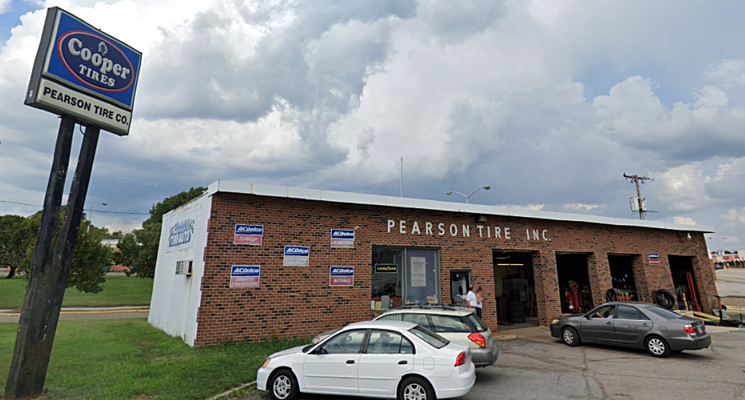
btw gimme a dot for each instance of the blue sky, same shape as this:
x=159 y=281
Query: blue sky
x=11 y=14
x=549 y=102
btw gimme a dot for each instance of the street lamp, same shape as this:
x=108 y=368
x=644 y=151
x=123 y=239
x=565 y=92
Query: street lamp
x=90 y=215
x=470 y=194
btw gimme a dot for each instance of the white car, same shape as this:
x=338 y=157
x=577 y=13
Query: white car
x=383 y=359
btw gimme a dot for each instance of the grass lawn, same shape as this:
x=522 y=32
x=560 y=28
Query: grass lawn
x=118 y=291
x=129 y=359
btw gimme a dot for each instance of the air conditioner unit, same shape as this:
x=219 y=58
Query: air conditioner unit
x=184 y=267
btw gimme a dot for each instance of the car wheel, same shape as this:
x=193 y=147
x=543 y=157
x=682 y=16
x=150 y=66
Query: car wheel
x=570 y=336
x=415 y=388
x=657 y=346
x=283 y=385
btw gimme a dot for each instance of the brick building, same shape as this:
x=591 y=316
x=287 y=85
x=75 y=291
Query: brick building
x=255 y=262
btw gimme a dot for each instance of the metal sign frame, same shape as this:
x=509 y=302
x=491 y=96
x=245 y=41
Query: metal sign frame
x=84 y=73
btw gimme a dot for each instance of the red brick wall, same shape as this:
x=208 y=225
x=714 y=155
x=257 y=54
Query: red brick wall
x=296 y=302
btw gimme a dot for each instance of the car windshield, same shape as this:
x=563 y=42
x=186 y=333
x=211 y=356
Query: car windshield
x=430 y=337
x=664 y=313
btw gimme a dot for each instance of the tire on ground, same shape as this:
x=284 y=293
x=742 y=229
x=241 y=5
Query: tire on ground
x=664 y=298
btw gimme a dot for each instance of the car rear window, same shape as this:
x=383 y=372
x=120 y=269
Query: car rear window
x=477 y=323
x=430 y=337
x=447 y=323
x=663 y=313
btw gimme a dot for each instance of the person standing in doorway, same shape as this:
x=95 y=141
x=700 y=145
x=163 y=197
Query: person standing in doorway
x=471 y=300
x=479 y=301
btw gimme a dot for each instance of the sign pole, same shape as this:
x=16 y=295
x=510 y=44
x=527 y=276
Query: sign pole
x=49 y=274
x=30 y=326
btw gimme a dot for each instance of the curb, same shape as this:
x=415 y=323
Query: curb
x=225 y=394
x=89 y=310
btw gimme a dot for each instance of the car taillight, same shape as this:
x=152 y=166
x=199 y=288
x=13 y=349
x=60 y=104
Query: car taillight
x=478 y=339
x=461 y=359
x=689 y=329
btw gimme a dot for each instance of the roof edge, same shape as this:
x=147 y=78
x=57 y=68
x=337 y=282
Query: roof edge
x=436 y=205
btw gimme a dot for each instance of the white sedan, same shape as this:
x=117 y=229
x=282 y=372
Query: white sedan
x=383 y=359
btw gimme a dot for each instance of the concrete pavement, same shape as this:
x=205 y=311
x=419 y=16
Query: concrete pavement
x=541 y=367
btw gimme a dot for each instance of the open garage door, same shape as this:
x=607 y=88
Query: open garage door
x=574 y=283
x=686 y=289
x=622 y=275
x=514 y=289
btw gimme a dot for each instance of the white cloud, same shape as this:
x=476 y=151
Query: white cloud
x=580 y=206
x=684 y=220
x=547 y=102
x=727 y=72
x=4 y=5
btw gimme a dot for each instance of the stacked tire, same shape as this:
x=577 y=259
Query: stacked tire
x=516 y=309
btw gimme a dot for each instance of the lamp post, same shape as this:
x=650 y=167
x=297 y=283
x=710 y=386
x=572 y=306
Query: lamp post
x=90 y=216
x=470 y=194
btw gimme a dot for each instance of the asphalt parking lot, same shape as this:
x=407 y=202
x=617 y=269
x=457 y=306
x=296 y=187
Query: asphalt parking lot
x=544 y=368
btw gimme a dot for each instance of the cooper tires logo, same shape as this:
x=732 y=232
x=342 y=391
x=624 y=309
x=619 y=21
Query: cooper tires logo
x=96 y=62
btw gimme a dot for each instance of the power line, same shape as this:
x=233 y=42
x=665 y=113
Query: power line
x=101 y=211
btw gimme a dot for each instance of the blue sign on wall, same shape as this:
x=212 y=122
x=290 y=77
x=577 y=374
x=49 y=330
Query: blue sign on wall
x=341 y=276
x=84 y=73
x=296 y=256
x=249 y=234
x=342 y=238
x=245 y=276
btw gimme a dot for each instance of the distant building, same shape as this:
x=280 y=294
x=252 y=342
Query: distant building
x=733 y=260
x=113 y=243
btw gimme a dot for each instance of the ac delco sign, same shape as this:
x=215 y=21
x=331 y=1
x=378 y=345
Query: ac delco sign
x=84 y=73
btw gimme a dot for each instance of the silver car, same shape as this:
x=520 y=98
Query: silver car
x=461 y=325
x=633 y=324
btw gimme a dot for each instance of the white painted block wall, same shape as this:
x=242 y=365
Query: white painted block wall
x=176 y=298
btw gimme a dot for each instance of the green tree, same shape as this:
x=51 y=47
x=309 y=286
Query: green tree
x=89 y=260
x=139 y=250
x=16 y=235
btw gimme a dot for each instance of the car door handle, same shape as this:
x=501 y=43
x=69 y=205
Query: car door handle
x=350 y=361
x=403 y=362
x=645 y=324
x=609 y=322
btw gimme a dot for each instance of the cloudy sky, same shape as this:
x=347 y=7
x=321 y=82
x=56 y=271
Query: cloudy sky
x=549 y=102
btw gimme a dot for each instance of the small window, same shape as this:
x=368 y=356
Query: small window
x=419 y=319
x=344 y=342
x=387 y=342
x=430 y=337
x=627 y=312
x=446 y=323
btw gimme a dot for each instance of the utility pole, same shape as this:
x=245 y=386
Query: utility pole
x=636 y=179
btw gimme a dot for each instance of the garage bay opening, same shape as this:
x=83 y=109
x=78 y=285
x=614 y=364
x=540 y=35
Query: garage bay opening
x=514 y=289
x=574 y=283
x=686 y=290
x=622 y=275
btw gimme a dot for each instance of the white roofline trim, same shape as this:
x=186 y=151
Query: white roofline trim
x=422 y=204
